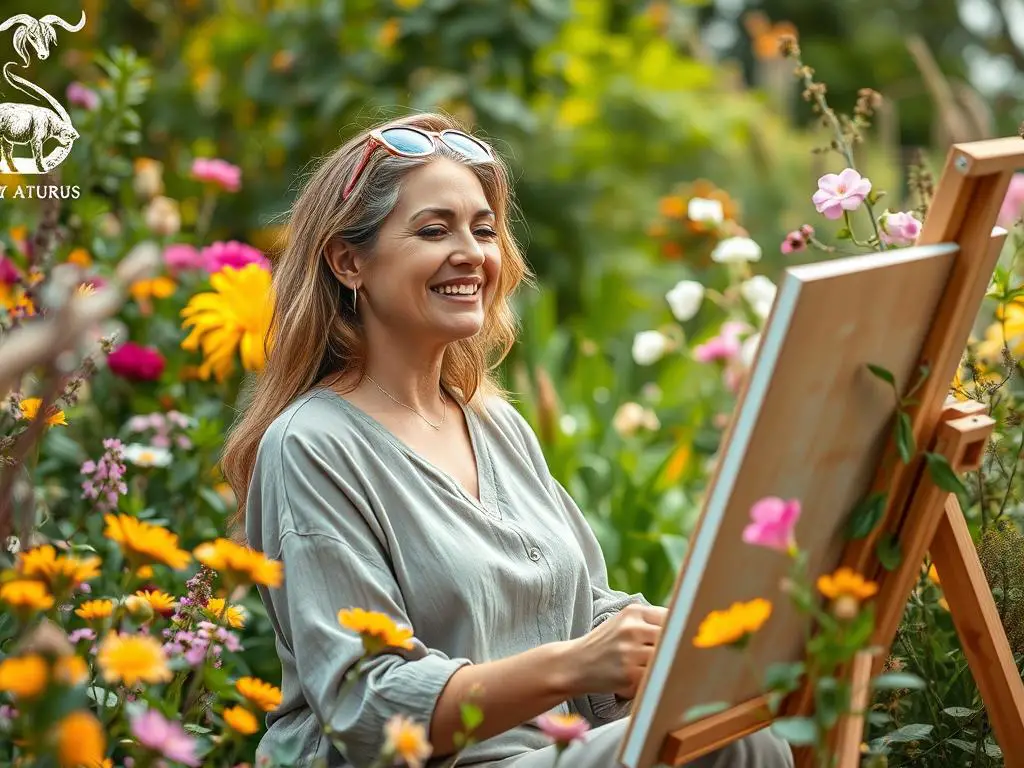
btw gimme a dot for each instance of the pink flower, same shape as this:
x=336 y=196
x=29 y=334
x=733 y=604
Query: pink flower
x=899 y=228
x=793 y=243
x=562 y=729
x=231 y=254
x=840 y=192
x=9 y=274
x=180 y=257
x=773 y=524
x=725 y=346
x=83 y=97
x=136 y=363
x=1013 y=203
x=219 y=172
x=165 y=736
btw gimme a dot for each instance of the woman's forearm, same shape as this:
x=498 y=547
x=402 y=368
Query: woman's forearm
x=508 y=691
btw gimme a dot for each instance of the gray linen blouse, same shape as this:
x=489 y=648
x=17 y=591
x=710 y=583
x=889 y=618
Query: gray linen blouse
x=361 y=520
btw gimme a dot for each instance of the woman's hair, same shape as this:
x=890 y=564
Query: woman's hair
x=314 y=330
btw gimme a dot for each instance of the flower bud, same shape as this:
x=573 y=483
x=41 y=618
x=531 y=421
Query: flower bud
x=138 y=608
x=845 y=607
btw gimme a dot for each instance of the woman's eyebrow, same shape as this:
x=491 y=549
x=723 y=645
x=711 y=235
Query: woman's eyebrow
x=448 y=213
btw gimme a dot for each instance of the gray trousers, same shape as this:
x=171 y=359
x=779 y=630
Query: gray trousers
x=600 y=746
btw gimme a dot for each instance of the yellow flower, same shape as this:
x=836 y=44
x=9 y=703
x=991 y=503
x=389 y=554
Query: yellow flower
x=80 y=740
x=846 y=583
x=161 y=602
x=70 y=670
x=236 y=316
x=389 y=33
x=26 y=596
x=57 y=571
x=235 y=614
x=92 y=610
x=241 y=720
x=672 y=207
x=145 y=572
x=264 y=695
x=132 y=659
x=239 y=565
x=733 y=625
x=377 y=630
x=144 y=543
x=155 y=288
x=407 y=739
x=23 y=677
x=30 y=409
x=80 y=257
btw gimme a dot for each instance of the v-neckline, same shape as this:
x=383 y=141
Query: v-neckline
x=485 y=487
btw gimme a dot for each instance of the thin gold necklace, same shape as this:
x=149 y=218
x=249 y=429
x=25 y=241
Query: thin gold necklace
x=444 y=402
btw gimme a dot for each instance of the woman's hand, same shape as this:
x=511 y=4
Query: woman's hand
x=614 y=657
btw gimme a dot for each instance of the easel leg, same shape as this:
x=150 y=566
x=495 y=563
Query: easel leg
x=981 y=632
x=850 y=731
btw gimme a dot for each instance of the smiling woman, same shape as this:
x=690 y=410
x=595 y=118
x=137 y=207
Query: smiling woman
x=380 y=463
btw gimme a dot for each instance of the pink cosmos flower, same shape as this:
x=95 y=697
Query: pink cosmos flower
x=773 y=524
x=83 y=97
x=136 y=363
x=725 y=346
x=231 y=254
x=218 y=172
x=1013 y=203
x=840 y=192
x=165 y=736
x=181 y=257
x=899 y=228
x=562 y=729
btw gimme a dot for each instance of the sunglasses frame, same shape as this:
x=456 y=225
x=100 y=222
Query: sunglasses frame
x=376 y=139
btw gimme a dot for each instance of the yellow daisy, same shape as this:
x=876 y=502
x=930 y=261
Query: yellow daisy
x=241 y=720
x=239 y=565
x=94 y=610
x=161 y=602
x=80 y=740
x=733 y=625
x=407 y=739
x=143 y=543
x=155 y=288
x=264 y=695
x=846 y=583
x=26 y=596
x=132 y=659
x=58 y=572
x=235 y=614
x=70 y=670
x=234 y=317
x=377 y=630
x=30 y=409
x=23 y=676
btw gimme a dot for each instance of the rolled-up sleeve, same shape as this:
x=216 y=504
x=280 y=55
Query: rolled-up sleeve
x=325 y=576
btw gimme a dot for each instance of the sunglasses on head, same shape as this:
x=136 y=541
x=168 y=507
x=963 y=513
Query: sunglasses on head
x=405 y=141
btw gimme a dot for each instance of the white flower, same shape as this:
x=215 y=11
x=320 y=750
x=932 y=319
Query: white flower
x=650 y=346
x=147 y=455
x=734 y=249
x=702 y=209
x=759 y=292
x=631 y=417
x=748 y=349
x=685 y=299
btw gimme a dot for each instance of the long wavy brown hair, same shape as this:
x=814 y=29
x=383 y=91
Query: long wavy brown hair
x=314 y=331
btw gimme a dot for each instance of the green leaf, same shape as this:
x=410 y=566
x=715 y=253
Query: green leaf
x=882 y=373
x=966 y=746
x=888 y=552
x=960 y=711
x=992 y=749
x=897 y=680
x=102 y=696
x=865 y=515
x=904 y=436
x=199 y=730
x=704 y=710
x=942 y=473
x=844 y=234
x=783 y=676
x=472 y=716
x=798 y=731
x=912 y=732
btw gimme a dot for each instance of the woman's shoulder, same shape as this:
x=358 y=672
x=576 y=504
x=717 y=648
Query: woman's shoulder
x=315 y=418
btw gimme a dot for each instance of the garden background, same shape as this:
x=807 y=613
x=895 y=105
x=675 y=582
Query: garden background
x=613 y=115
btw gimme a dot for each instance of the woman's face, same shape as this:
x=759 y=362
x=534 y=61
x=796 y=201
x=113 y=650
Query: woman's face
x=436 y=261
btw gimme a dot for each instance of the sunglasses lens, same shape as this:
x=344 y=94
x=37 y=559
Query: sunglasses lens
x=467 y=145
x=407 y=141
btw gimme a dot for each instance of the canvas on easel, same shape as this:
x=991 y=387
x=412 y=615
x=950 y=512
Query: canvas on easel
x=815 y=425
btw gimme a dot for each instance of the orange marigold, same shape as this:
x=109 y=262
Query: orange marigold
x=377 y=630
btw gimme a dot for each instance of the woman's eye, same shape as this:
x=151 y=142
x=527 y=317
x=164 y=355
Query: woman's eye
x=432 y=232
x=486 y=232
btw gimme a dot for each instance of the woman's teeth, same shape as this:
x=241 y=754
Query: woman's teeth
x=465 y=290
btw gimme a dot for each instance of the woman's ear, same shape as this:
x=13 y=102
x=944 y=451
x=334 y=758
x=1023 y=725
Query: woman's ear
x=343 y=261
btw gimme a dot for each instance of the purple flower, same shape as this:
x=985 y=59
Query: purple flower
x=167 y=737
x=839 y=193
x=83 y=97
x=79 y=635
x=104 y=484
x=231 y=254
x=8 y=272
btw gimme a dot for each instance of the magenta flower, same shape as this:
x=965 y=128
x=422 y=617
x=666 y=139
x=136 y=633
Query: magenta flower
x=793 y=243
x=725 y=346
x=1013 y=203
x=562 y=729
x=773 y=524
x=840 y=192
x=899 y=228
x=218 y=172
x=83 y=97
x=180 y=257
x=231 y=254
x=136 y=363
x=9 y=274
x=167 y=737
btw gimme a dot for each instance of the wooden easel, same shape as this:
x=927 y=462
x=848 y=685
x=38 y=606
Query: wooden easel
x=920 y=515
